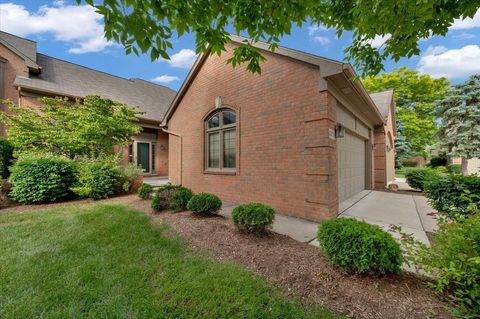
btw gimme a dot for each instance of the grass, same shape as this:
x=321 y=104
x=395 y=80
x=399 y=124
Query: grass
x=400 y=172
x=110 y=261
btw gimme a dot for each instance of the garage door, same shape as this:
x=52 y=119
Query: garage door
x=351 y=166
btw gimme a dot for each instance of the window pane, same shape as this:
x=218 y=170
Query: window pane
x=214 y=121
x=229 y=149
x=229 y=118
x=214 y=150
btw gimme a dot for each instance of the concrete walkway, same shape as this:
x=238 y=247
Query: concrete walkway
x=384 y=209
x=155 y=181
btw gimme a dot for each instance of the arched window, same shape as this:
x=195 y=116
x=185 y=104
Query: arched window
x=220 y=130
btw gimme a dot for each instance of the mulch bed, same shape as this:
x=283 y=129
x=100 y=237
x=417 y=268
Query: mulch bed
x=301 y=269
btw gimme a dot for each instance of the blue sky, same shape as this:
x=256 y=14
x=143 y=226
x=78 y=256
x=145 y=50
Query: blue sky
x=74 y=33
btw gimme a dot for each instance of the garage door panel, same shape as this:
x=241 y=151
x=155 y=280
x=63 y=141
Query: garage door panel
x=351 y=166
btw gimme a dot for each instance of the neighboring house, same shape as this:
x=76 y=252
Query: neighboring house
x=386 y=153
x=472 y=164
x=303 y=136
x=26 y=75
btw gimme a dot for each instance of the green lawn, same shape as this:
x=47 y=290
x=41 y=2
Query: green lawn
x=400 y=172
x=110 y=261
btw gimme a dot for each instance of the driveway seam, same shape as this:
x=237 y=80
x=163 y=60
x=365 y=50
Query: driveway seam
x=418 y=214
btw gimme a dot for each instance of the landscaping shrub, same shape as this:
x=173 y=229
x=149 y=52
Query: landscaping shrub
x=41 y=178
x=453 y=262
x=204 y=203
x=6 y=157
x=158 y=202
x=408 y=163
x=359 y=247
x=97 y=178
x=416 y=177
x=454 y=168
x=438 y=161
x=253 y=217
x=180 y=198
x=145 y=191
x=128 y=175
x=454 y=196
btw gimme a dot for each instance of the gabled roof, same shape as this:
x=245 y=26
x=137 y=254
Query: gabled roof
x=26 y=49
x=328 y=68
x=383 y=100
x=64 y=78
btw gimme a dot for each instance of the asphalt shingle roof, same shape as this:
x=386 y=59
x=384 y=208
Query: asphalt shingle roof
x=383 y=100
x=59 y=77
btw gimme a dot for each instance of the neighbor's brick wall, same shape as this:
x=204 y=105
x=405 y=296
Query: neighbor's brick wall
x=379 y=158
x=284 y=156
x=13 y=67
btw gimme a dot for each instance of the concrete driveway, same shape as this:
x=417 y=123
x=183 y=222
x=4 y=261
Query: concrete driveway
x=411 y=212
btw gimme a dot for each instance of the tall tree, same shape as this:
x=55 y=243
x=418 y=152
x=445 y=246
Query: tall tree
x=415 y=96
x=402 y=146
x=460 y=128
x=87 y=127
x=150 y=25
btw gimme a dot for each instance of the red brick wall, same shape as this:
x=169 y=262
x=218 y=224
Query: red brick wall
x=161 y=159
x=380 y=158
x=14 y=66
x=284 y=155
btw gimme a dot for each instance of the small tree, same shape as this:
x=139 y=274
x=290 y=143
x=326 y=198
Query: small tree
x=402 y=146
x=88 y=127
x=460 y=129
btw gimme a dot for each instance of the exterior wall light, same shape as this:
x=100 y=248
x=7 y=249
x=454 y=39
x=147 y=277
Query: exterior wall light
x=339 y=131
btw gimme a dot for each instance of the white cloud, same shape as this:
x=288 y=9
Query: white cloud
x=317 y=34
x=453 y=63
x=468 y=23
x=183 y=59
x=321 y=40
x=431 y=50
x=80 y=26
x=379 y=40
x=165 y=78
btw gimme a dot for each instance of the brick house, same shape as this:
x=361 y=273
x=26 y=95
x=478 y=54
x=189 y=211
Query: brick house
x=26 y=75
x=303 y=136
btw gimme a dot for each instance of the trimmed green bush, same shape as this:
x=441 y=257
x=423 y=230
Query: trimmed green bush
x=204 y=203
x=97 y=179
x=41 y=178
x=454 y=196
x=180 y=198
x=253 y=217
x=6 y=157
x=145 y=191
x=453 y=262
x=158 y=203
x=454 y=168
x=438 y=161
x=416 y=177
x=359 y=247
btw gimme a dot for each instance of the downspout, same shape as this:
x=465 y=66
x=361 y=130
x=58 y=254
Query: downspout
x=180 y=137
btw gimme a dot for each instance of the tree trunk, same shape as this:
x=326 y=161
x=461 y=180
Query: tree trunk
x=464 y=166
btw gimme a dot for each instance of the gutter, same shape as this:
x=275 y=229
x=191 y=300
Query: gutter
x=181 y=152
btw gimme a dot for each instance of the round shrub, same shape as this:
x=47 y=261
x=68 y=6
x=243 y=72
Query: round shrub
x=359 y=247
x=253 y=217
x=97 y=179
x=145 y=191
x=204 y=203
x=158 y=203
x=438 y=161
x=417 y=177
x=179 y=199
x=454 y=196
x=454 y=168
x=41 y=178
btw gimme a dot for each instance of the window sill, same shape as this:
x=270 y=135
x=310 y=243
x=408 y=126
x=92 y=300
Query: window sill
x=219 y=172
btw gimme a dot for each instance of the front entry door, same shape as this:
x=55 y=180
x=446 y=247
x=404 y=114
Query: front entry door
x=143 y=156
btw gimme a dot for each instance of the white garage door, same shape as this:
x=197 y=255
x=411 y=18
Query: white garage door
x=351 y=166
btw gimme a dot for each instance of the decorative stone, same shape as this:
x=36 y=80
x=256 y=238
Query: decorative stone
x=393 y=187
